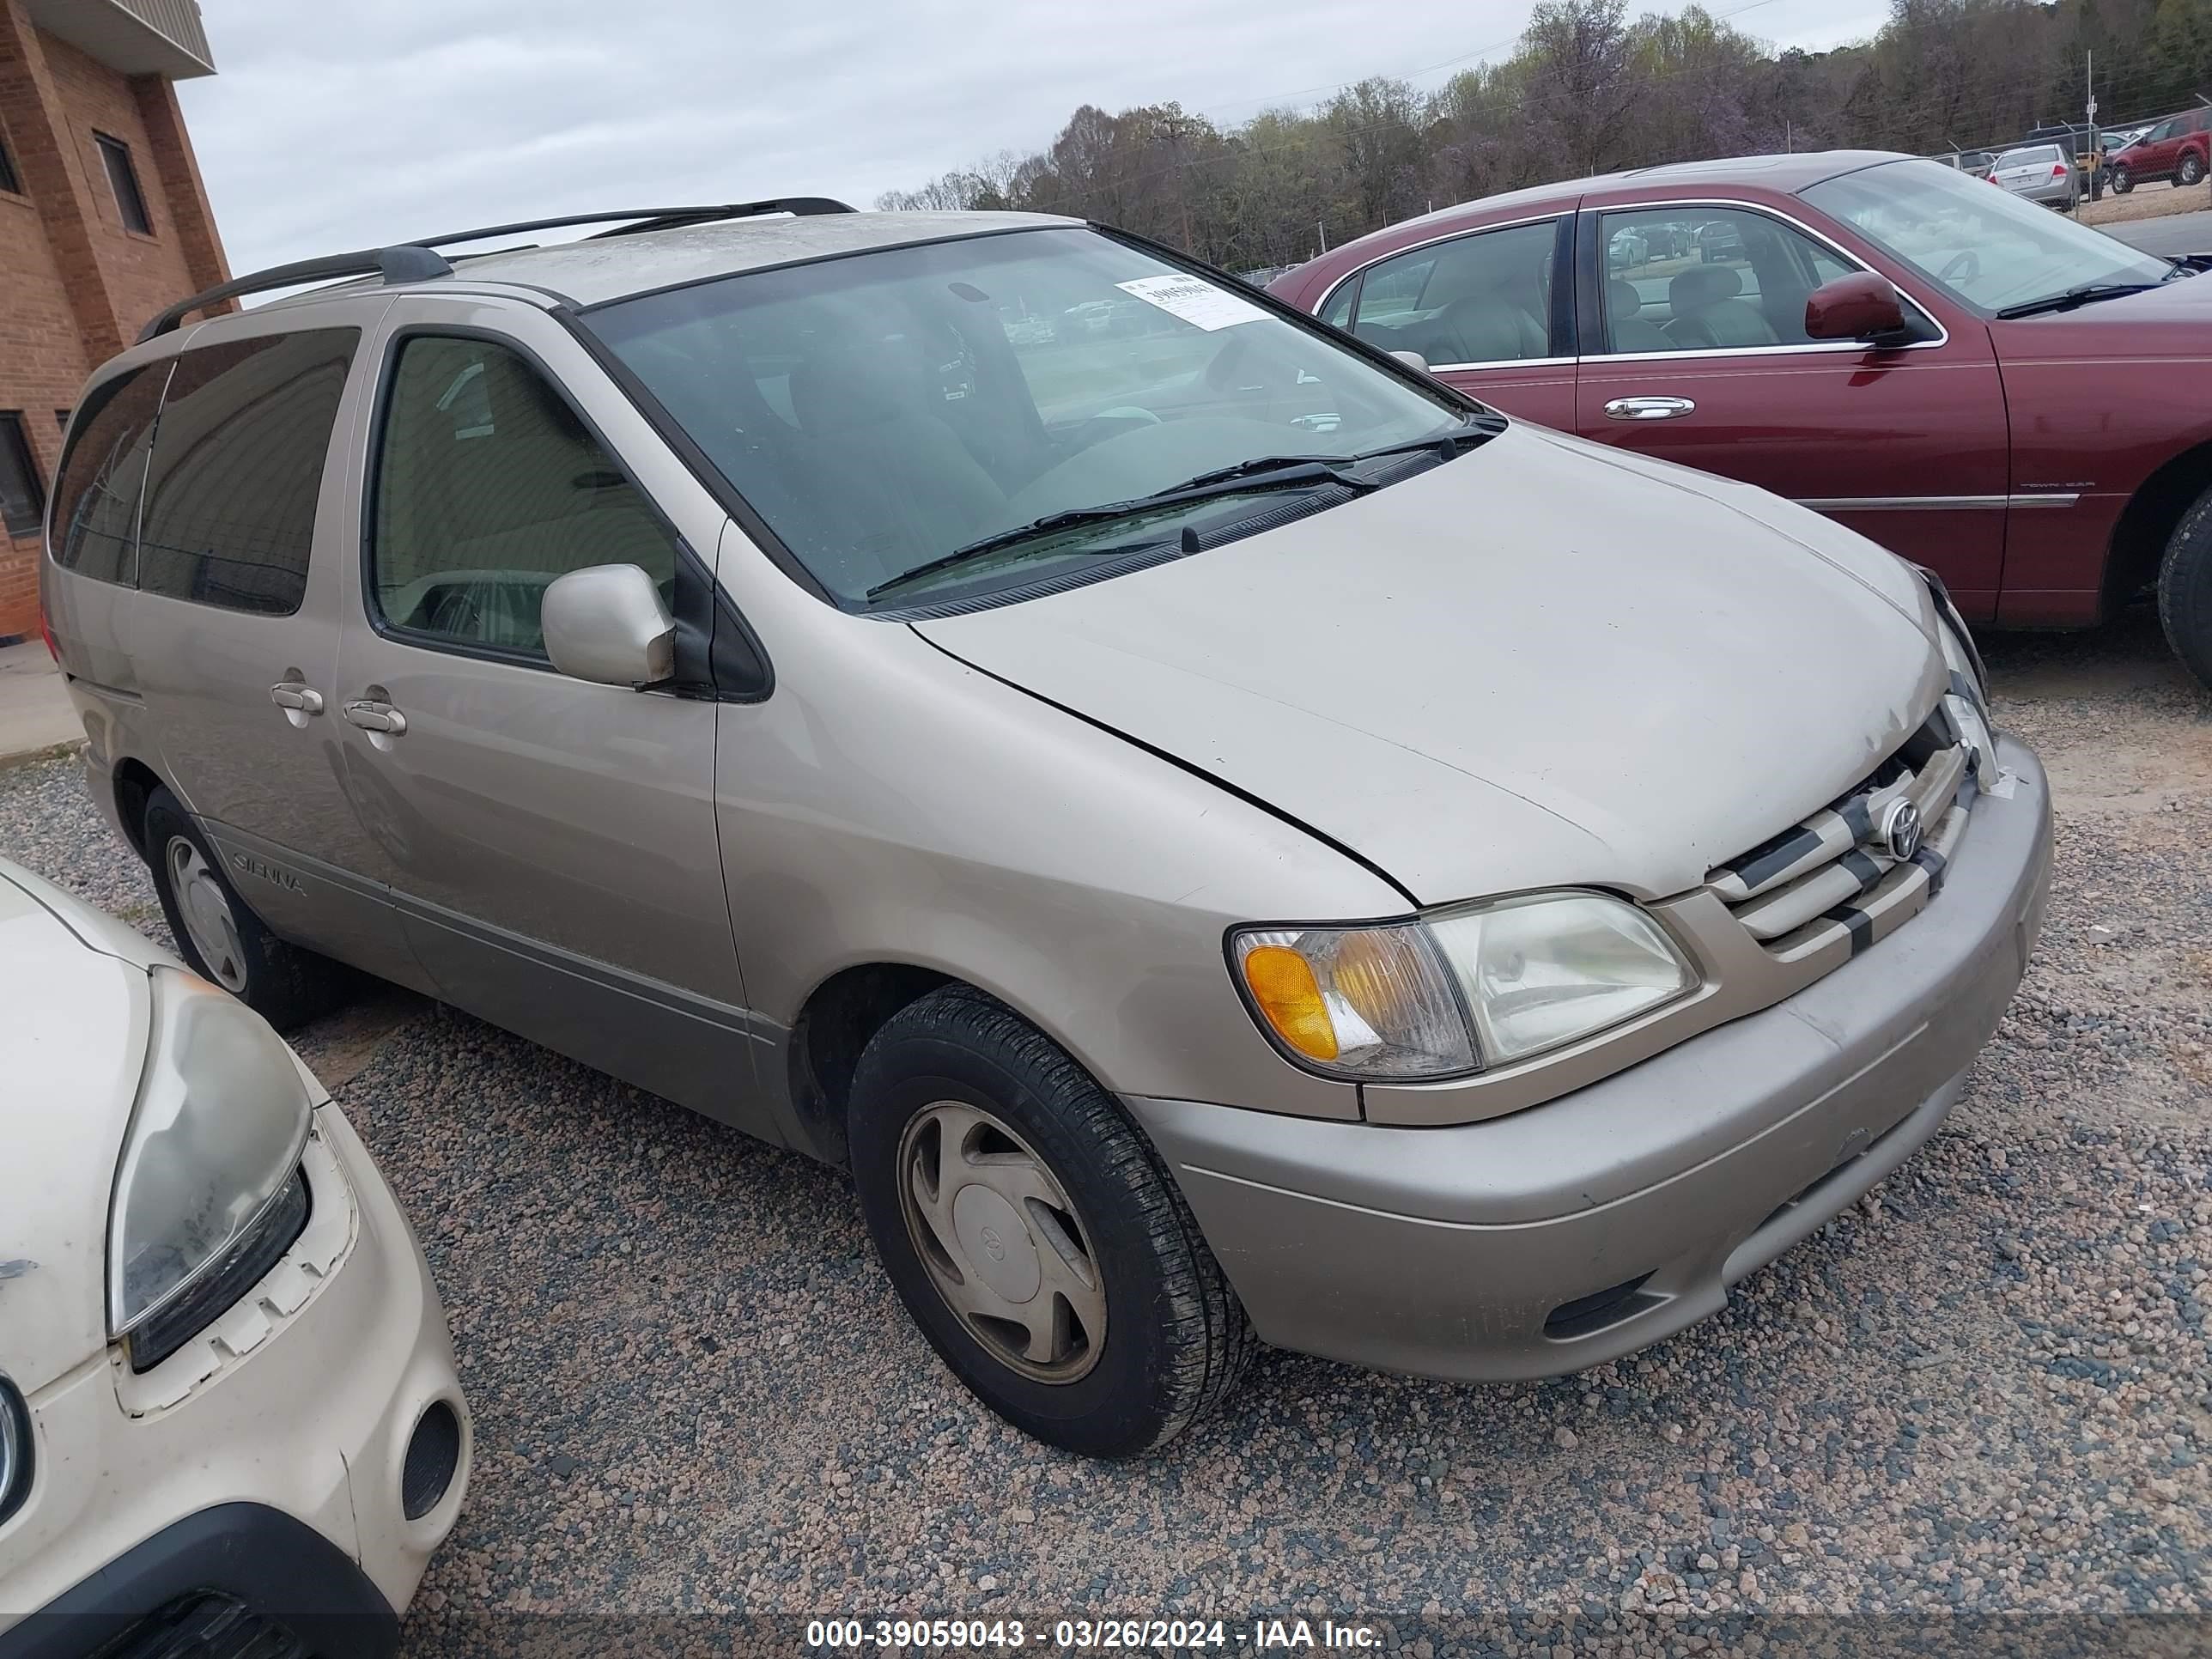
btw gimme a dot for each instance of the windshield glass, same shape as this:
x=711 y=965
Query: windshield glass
x=1982 y=246
x=883 y=409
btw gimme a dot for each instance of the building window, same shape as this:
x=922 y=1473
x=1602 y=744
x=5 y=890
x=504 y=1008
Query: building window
x=10 y=181
x=123 y=177
x=61 y=419
x=22 y=498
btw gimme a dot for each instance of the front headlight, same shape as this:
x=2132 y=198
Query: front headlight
x=208 y=1170
x=1444 y=994
x=1967 y=701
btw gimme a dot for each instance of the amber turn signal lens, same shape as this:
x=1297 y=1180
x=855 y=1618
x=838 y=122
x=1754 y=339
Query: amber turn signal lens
x=1285 y=989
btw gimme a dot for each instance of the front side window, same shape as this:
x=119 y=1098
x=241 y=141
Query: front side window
x=103 y=472
x=489 y=485
x=1701 y=278
x=947 y=405
x=1988 y=249
x=22 y=496
x=229 y=514
x=1480 y=299
x=123 y=179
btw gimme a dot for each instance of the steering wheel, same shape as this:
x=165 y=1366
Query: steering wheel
x=1962 y=267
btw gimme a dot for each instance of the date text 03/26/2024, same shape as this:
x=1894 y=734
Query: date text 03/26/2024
x=1090 y=1635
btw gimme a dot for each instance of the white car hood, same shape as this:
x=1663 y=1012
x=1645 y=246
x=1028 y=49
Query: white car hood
x=1547 y=662
x=73 y=1023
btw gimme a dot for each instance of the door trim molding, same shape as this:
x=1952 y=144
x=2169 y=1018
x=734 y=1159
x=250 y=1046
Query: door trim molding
x=1931 y=503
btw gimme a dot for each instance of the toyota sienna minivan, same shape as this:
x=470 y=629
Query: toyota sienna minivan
x=1225 y=837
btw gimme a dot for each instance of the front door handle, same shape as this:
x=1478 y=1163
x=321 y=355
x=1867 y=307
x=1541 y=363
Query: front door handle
x=374 y=716
x=296 y=695
x=1648 y=409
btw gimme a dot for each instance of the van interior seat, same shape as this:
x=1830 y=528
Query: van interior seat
x=883 y=457
x=1708 y=314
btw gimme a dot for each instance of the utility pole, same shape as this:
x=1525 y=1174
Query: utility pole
x=2096 y=143
x=1322 y=226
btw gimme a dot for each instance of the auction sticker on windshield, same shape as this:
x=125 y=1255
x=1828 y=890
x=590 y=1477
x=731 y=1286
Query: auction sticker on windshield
x=1193 y=299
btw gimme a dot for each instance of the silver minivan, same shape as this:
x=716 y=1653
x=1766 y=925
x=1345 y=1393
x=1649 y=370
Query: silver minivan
x=1225 y=837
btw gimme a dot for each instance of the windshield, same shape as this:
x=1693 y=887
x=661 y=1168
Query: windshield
x=884 y=409
x=1985 y=246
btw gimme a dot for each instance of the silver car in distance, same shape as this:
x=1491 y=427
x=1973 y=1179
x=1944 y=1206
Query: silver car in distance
x=1224 y=837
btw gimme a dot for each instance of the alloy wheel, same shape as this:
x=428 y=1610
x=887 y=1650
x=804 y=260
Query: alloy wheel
x=2192 y=170
x=1001 y=1242
x=204 y=908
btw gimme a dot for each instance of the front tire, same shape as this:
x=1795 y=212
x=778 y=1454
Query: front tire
x=2184 y=590
x=2190 y=171
x=219 y=936
x=1033 y=1233
x=2122 y=184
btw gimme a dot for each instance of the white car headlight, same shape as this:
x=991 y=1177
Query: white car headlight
x=1444 y=994
x=210 y=1166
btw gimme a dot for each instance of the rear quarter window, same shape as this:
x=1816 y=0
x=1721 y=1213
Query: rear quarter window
x=94 y=531
x=238 y=467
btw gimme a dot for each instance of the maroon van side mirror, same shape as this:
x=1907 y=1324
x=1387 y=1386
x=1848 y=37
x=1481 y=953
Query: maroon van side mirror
x=1860 y=307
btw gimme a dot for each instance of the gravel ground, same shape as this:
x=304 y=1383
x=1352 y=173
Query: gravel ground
x=1985 y=1389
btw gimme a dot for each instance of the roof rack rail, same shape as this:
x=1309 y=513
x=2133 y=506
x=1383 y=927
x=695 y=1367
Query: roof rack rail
x=416 y=261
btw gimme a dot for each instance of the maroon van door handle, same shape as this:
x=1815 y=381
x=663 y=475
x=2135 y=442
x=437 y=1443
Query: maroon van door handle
x=1648 y=409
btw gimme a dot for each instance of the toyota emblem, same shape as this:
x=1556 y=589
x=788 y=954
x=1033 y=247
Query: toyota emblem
x=1900 y=830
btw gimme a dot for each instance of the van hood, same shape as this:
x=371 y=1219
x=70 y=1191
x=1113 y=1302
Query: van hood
x=73 y=1023
x=1545 y=663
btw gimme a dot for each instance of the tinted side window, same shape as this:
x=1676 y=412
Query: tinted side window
x=488 y=486
x=1484 y=298
x=238 y=464
x=103 y=472
x=1711 y=279
x=1337 y=312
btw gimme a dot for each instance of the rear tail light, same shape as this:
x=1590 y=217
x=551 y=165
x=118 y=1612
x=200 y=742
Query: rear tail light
x=2058 y=169
x=47 y=632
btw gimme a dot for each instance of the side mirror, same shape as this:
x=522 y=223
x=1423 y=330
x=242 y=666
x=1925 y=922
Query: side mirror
x=1860 y=307
x=1413 y=360
x=607 y=624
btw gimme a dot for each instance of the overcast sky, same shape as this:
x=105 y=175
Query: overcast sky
x=340 y=123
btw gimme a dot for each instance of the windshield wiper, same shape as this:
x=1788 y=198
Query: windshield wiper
x=2087 y=294
x=1479 y=429
x=1274 y=472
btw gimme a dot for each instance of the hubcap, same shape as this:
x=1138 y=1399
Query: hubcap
x=1001 y=1242
x=205 y=911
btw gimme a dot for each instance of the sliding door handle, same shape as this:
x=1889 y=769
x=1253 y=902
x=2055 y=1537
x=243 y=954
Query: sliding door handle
x=372 y=716
x=1648 y=409
x=296 y=695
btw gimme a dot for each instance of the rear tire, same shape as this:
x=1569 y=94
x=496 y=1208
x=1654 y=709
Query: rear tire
x=219 y=936
x=2122 y=184
x=957 y=1098
x=2184 y=590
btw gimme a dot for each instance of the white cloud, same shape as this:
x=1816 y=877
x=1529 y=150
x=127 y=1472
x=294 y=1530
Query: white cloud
x=351 y=122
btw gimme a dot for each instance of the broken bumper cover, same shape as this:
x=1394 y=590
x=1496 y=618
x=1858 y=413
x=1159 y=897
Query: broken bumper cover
x=1586 y=1228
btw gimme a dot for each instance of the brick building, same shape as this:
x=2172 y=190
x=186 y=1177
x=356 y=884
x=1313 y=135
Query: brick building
x=103 y=221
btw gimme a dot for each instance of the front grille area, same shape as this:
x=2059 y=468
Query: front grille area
x=204 y=1625
x=1830 y=887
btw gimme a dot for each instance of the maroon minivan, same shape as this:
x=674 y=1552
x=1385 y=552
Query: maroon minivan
x=1983 y=386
